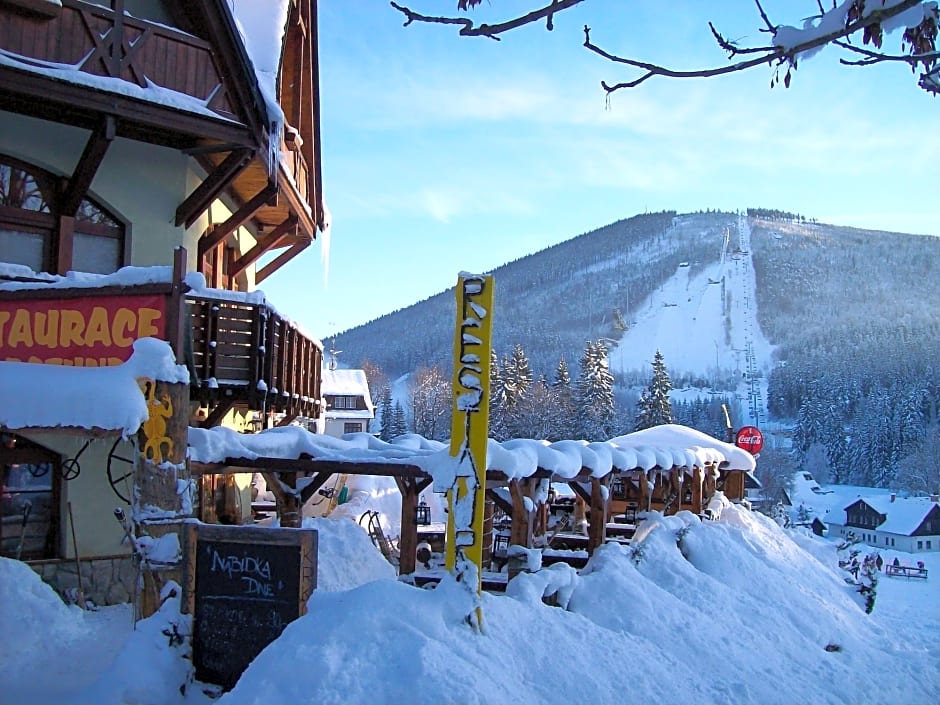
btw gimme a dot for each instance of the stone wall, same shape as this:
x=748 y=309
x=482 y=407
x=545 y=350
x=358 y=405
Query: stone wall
x=105 y=581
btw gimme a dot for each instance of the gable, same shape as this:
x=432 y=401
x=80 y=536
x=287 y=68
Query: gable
x=930 y=526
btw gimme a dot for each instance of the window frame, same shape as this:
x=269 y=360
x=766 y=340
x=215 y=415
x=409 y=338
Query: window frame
x=17 y=451
x=58 y=229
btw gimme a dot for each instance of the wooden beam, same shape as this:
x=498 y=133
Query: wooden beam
x=279 y=261
x=33 y=94
x=295 y=465
x=500 y=502
x=218 y=413
x=196 y=203
x=87 y=167
x=64 y=245
x=266 y=242
x=580 y=491
x=237 y=219
x=318 y=481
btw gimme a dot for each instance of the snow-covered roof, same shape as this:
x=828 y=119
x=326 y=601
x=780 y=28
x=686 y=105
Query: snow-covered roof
x=904 y=514
x=681 y=446
x=93 y=398
x=663 y=447
x=267 y=20
x=350 y=383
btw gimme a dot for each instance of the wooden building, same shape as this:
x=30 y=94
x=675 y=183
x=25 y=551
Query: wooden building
x=148 y=136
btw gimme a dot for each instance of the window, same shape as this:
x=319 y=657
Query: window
x=352 y=428
x=920 y=545
x=32 y=230
x=30 y=499
x=928 y=545
x=344 y=402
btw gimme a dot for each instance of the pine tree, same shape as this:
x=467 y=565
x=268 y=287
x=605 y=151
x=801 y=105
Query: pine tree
x=594 y=394
x=561 y=399
x=497 y=428
x=654 y=407
x=520 y=371
x=385 y=413
x=399 y=424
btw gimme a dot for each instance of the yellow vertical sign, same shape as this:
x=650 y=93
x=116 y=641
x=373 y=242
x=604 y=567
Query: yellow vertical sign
x=470 y=426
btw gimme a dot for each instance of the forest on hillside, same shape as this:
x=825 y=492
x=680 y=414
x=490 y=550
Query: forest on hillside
x=852 y=314
x=551 y=302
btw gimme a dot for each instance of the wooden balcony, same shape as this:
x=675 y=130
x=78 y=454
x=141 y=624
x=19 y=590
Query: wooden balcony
x=98 y=41
x=247 y=356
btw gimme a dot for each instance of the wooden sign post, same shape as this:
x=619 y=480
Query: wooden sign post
x=469 y=430
x=243 y=585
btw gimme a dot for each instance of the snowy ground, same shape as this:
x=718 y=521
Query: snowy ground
x=741 y=612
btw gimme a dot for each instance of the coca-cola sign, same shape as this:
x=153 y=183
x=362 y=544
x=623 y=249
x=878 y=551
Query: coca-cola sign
x=750 y=439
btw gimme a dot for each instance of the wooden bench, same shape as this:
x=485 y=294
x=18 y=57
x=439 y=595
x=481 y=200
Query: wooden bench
x=905 y=571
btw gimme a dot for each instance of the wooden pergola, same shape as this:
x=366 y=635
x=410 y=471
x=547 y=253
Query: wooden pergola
x=295 y=481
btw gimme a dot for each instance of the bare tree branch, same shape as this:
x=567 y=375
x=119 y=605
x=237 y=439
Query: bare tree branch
x=920 y=39
x=769 y=55
x=468 y=29
x=732 y=48
x=770 y=27
x=875 y=57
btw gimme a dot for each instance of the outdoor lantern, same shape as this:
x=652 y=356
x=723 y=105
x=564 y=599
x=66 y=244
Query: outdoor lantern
x=422 y=514
x=500 y=544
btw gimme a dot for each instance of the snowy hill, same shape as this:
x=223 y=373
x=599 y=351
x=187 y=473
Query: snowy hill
x=782 y=316
x=737 y=612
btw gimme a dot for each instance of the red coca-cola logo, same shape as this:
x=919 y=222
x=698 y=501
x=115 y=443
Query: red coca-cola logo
x=750 y=439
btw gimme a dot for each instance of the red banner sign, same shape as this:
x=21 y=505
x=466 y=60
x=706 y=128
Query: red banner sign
x=93 y=331
x=750 y=439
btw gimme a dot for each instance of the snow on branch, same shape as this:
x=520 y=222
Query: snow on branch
x=468 y=29
x=835 y=26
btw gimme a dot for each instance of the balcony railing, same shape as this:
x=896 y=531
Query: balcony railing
x=95 y=40
x=246 y=355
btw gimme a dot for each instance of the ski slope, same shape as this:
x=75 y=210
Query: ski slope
x=705 y=325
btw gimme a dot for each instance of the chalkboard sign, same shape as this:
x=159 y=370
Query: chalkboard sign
x=243 y=585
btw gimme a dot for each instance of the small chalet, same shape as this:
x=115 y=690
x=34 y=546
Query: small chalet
x=909 y=524
x=349 y=406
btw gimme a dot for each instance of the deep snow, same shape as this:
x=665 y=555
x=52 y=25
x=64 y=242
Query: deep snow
x=735 y=611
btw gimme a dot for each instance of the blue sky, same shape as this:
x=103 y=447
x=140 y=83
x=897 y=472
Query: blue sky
x=444 y=154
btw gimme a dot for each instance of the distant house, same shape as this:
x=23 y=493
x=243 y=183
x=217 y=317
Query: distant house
x=909 y=524
x=349 y=406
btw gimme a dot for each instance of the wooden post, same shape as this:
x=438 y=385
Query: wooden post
x=644 y=487
x=697 y=481
x=408 y=543
x=161 y=485
x=521 y=531
x=286 y=501
x=710 y=484
x=597 y=527
x=675 y=490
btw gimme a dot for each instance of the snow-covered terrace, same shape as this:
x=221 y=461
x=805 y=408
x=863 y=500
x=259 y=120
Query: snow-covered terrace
x=52 y=397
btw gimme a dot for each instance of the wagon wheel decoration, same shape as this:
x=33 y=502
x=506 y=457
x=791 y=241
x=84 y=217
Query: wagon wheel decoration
x=71 y=468
x=119 y=469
